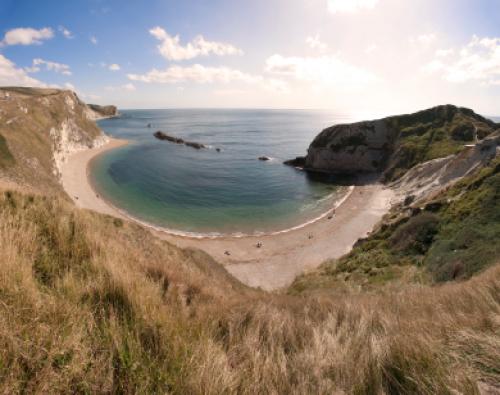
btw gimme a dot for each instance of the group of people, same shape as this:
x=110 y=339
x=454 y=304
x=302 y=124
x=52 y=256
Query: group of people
x=309 y=236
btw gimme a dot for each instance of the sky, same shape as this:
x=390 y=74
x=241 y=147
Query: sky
x=374 y=57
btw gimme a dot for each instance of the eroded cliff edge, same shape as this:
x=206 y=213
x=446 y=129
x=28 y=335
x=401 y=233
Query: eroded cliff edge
x=393 y=145
x=39 y=128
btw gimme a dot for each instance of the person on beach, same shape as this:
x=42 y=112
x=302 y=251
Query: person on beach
x=258 y=245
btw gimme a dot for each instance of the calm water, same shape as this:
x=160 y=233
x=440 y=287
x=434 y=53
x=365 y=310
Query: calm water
x=205 y=191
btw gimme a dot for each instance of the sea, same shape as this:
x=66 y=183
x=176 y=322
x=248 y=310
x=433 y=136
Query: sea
x=223 y=189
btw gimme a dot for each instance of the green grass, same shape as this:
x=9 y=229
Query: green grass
x=453 y=237
x=431 y=134
x=6 y=157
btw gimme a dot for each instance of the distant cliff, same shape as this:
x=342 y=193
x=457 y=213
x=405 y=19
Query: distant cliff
x=393 y=145
x=39 y=128
x=103 y=111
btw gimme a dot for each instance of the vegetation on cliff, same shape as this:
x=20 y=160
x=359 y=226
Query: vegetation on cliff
x=28 y=116
x=393 y=145
x=433 y=133
x=453 y=236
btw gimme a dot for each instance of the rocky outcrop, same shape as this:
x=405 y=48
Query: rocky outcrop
x=97 y=112
x=41 y=128
x=393 y=145
x=176 y=140
x=299 y=161
x=102 y=112
x=349 y=149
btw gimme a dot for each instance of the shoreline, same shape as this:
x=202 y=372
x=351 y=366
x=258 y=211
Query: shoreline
x=284 y=254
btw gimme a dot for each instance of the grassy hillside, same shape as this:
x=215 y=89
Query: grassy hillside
x=27 y=116
x=451 y=237
x=91 y=304
x=433 y=133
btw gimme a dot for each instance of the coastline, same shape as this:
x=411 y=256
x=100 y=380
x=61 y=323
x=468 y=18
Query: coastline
x=284 y=254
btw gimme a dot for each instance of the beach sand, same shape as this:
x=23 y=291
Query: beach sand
x=282 y=256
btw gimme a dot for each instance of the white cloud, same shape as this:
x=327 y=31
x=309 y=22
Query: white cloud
x=196 y=73
x=315 y=43
x=323 y=69
x=70 y=86
x=10 y=75
x=27 y=36
x=424 y=39
x=171 y=49
x=479 y=60
x=66 y=33
x=114 y=67
x=371 y=48
x=93 y=40
x=350 y=6
x=277 y=86
x=127 y=87
x=443 y=53
x=49 y=66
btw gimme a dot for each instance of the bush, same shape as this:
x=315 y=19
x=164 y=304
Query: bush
x=416 y=235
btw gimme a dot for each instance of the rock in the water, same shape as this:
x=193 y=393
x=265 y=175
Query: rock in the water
x=194 y=145
x=164 y=136
x=299 y=161
x=264 y=158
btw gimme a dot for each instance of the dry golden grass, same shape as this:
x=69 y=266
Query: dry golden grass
x=89 y=304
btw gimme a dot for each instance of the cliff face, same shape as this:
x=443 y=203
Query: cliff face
x=395 y=144
x=101 y=112
x=39 y=128
x=353 y=148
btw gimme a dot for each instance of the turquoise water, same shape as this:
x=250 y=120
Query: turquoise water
x=210 y=192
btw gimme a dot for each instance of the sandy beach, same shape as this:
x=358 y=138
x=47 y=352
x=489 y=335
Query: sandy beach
x=282 y=256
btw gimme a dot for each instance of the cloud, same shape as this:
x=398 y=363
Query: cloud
x=323 y=69
x=114 y=67
x=196 y=73
x=479 y=60
x=350 y=6
x=66 y=33
x=171 y=49
x=10 y=75
x=127 y=87
x=277 y=86
x=49 y=66
x=70 y=86
x=93 y=40
x=315 y=43
x=424 y=39
x=443 y=53
x=27 y=36
x=371 y=48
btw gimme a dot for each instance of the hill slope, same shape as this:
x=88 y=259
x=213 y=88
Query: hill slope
x=92 y=304
x=395 y=144
x=38 y=128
